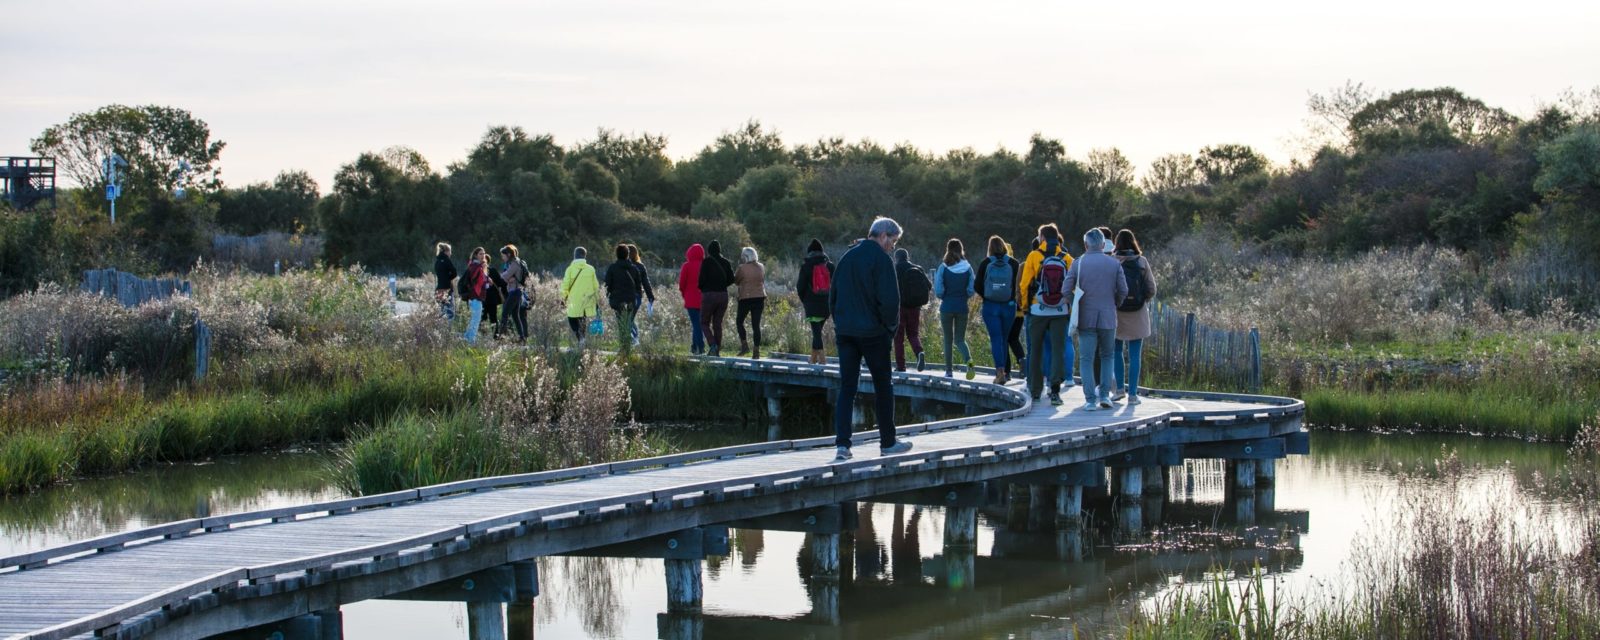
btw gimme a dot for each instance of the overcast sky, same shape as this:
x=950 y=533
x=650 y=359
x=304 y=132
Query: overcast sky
x=312 y=84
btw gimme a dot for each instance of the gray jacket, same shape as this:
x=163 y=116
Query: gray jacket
x=1100 y=276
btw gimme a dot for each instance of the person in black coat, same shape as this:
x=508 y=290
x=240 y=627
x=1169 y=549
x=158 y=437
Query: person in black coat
x=622 y=292
x=648 y=292
x=493 y=297
x=716 y=275
x=444 y=270
x=816 y=278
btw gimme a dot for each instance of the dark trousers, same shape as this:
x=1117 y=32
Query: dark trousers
x=751 y=307
x=713 y=308
x=816 y=335
x=625 y=312
x=910 y=327
x=516 y=313
x=875 y=350
x=577 y=326
x=1015 y=342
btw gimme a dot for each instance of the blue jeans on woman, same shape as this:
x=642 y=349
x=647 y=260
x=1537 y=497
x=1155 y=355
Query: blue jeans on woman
x=474 y=317
x=997 y=319
x=1135 y=357
x=697 y=344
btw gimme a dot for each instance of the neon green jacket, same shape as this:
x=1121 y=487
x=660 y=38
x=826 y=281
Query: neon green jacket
x=580 y=287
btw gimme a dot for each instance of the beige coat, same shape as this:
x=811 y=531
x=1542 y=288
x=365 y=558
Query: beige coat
x=751 y=278
x=1135 y=325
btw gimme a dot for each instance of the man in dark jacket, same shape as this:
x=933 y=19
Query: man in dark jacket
x=445 y=271
x=622 y=291
x=865 y=301
x=716 y=275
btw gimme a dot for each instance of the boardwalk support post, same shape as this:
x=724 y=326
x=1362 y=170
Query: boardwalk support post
x=1244 y=474
x=486 y=621
x=824 y=550
x=1266 y=472
x=961 y=528
x=1069 y=506
x=1155 y=480
x=685 y=591
x=1130 y=495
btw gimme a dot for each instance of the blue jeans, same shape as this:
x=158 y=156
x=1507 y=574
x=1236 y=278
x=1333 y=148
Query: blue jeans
x=474 y=316
x=997 y=319
x=875 y=350
x=1094 y=344
x=697 y=344
x=1135 y=358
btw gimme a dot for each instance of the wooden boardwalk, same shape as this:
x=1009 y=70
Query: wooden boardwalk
x=199 y=577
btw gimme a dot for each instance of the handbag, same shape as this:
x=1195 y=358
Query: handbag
x=597 y=326
x=1077 y=297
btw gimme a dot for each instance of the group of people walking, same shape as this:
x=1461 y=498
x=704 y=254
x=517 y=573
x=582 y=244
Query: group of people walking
x=1095 y=307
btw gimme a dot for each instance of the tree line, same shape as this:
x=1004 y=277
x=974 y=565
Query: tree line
x=1415 y=166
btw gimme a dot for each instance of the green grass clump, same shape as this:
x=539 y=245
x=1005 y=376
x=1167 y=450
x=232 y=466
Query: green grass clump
x=1484 y=411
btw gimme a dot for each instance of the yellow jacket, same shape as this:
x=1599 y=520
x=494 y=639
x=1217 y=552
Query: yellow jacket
x=580 y=287
x=1030 y=270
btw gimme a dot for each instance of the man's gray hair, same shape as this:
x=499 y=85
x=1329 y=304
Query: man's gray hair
x=884 y=227
x=1094 y=241
x=580 y=253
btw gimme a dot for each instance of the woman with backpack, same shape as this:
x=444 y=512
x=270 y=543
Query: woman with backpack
x=914 y=291
x=1133 y=314
x=953 y=284
x=474 y=282
x=997 y=285
x=515 y=276
x=716 y=275
x=816 y=280
x=751 y=279
x=689 y=287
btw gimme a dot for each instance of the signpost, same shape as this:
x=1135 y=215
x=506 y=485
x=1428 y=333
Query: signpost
x=113 y=178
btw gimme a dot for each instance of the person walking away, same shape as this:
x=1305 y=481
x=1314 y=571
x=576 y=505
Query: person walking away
x=1014 y=339
x=1104 y=377
x=494 y=297
x=864 y=300
x=689 y=286
x=444 y=270
x=580 y=289
x=1133 y=314
x=953 y=284
x=1100 y=277
x=473 y=284
x=813 y=286
x=622 y=292
x=914 y=291
x=1049 y=302
x=647 y=293
x=716 y=275
x=996 y=278
x=516 y=277
x=750 y=278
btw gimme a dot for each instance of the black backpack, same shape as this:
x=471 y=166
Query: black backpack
x=914 y=288
x=1133 y=272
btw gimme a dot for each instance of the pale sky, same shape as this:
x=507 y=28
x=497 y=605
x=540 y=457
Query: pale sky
x=312 y=84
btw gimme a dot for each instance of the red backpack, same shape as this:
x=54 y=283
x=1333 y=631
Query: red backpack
x=821 y=278
x=1052 y=299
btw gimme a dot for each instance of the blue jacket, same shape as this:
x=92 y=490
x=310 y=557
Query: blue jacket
x=865 y=296
x=953 y=299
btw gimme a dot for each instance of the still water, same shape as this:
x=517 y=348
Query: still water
x=1026 y=580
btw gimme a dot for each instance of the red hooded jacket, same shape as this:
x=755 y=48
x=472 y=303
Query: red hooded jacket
x=689 y=276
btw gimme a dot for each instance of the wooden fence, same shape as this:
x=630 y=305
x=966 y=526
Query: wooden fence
x=131 y=291
x=1182 y=346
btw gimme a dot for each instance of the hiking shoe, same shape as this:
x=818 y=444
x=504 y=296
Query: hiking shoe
x=971 y=373
x=1055 y=399
x=1133 y=400
x=922 y=361
x=1090 y=406
x=949 y=373
x=899 y=447
x=1120 y=394
x=840 y=454
x=1105 y=404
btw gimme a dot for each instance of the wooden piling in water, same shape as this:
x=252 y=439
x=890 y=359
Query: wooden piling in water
x=685 y=590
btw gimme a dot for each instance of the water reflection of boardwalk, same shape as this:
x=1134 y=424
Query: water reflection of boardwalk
x=204 y=576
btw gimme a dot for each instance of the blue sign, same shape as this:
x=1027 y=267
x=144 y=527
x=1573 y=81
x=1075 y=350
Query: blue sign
x=112 y=192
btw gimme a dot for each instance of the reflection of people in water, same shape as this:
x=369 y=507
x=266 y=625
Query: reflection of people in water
x=749 y=542
x=905 y=547
x=870 y=554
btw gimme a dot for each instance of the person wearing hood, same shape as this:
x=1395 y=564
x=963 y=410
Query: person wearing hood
x=444 y=270
x=1133 y=314
x=580 y=289
x=1014 y=338
x=865 y=303
x=997 y=285
x=689 y=286
x=953 y=284
x=816 y=279
x=622 y=292
x=914 y=290
x=1048 y=297
x=716 y=275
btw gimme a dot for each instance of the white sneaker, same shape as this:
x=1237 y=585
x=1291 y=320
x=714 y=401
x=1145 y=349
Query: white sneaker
x=1105 y=404
x=1068 y=384
x=1120 y=394
x=1133 y=400
x=840 y=454
x=899 y=447
x=1090 y=406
